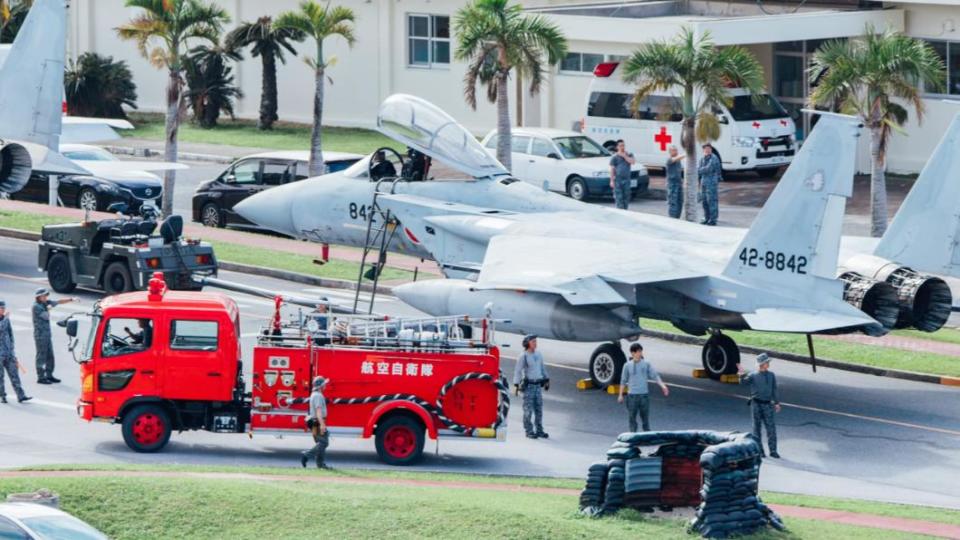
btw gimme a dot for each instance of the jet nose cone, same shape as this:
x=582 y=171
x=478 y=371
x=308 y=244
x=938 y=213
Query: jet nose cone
x=271 y=209
x=431 y=297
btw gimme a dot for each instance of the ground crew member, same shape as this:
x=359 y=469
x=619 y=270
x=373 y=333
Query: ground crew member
x=634 y=377
x=764 y=401
x=531 y=377
x=317 y=422
x=674 y=172
x=41 y=334
x=620 y=165
x=709 y=171
x=8 y=358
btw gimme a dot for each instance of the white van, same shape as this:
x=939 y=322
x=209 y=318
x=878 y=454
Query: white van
x=756 y=133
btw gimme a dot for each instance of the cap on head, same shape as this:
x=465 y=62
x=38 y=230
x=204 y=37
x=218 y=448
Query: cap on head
x=527 y=339
x=40 y=292
x=762 y=359
x=3 y=304
x=319 y=382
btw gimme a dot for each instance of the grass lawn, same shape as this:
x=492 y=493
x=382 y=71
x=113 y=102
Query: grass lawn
x=249 y=508
x=237 y=253
x=881 y=357
x=284 y=135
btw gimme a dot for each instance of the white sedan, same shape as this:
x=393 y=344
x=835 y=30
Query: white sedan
x=564 y=161
x=28 y=521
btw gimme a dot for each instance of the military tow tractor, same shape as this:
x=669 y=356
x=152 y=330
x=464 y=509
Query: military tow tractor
x=119 y=255
x=162 y=361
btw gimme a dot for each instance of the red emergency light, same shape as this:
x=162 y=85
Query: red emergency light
x=605 y=69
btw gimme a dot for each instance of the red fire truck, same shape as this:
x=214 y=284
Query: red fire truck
x=159 y=361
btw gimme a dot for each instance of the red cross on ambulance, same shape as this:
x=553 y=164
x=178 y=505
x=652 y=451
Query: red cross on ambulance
x=663 y=138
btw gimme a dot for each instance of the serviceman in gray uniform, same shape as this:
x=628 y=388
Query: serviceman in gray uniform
x=317 y=422
x=634 y=378
x=709 y=171
x=674 y=172
x=764 y=401
x=8 y=358
x=41 y=334
x=620 y=165
x=531 y=377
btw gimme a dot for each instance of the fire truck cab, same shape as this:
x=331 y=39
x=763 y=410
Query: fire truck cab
x=159 y=361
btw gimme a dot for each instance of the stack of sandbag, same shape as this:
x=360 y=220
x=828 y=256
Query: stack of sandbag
x=613 y=496
x=643 y=480
x=591 y=498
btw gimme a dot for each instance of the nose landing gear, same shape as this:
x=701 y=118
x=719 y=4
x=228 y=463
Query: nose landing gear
x=606 y=364
x=720 y=355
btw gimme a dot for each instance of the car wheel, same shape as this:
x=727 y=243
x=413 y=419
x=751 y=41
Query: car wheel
x=399 y=440
x=59 y=275
x=146 y=428
x=211 y=216
x=116 y=279
x=88 y=200
x=577 y=188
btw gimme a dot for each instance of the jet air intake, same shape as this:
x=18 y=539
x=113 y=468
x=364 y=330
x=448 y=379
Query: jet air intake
x=877 y=299
x=15 y=167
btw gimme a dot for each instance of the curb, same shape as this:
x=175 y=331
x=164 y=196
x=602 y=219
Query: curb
x=834 y=364
x=143 y=151
x=245 y=269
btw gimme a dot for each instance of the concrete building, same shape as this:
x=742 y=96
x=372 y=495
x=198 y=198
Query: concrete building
x=406 y=46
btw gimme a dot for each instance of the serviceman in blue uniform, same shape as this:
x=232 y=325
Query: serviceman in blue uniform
x=8 y=358
x=41 y=334
x=531 y=377
x=674 y=173
x=317 y=422
x=620 y=165
x=634 y=379
x=709 y=171
x=764 y=401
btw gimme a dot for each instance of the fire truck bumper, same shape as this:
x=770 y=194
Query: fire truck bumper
x=85 y=410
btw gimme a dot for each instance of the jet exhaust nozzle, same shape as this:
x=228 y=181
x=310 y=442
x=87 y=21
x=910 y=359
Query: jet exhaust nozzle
x=925 y=301
x=877 y=299
x=15 y=168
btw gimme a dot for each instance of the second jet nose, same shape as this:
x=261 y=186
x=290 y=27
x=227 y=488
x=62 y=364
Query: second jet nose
x=431 y=296
x=271 y=209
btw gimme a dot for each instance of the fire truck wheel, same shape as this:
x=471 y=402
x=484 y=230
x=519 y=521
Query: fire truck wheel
x=116 y=278
x=58 y=274
x=146 y=428
x=400 y=440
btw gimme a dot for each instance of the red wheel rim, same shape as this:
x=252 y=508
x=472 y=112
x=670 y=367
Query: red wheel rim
x=400 y=441
x=148 y=429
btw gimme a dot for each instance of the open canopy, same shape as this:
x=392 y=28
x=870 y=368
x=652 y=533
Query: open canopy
x=423 y=126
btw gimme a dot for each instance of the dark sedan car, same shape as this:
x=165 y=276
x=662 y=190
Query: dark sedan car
x=214 y=200
x=95 y=193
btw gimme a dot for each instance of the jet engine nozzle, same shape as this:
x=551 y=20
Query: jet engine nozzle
x=15 y=167
x=925 y=301
x=877 y=299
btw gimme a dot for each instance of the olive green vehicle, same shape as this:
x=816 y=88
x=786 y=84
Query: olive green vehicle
x=120 y=255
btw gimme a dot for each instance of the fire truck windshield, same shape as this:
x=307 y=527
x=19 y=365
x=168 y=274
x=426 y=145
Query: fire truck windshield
x=87 y=352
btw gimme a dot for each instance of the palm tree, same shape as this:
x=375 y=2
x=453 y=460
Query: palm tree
x=864 y=76
x=99 y=86
x=210 y=83
x=318 y=23
x=268 y=43
x=12 y=15
x=700 y=72
x=496 y=38
x=162 y=32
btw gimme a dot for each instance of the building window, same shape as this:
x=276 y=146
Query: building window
x=428 y=40
x=578 y=62
x=949 y=52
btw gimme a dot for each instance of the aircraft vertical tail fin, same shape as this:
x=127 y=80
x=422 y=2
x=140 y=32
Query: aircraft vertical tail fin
x=925 y=233
x=796 y=236
x=31 y=78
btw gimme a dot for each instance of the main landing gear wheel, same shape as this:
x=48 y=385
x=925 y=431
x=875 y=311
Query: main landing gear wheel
x=146 y=428
x=606 y=364
x=720 y=356
x=399 y=440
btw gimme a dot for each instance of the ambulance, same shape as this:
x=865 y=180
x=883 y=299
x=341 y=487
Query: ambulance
x=756 y=133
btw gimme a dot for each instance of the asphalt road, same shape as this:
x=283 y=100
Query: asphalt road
x=841 y=434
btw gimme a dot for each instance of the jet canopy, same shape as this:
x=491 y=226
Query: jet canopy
x=423 y=126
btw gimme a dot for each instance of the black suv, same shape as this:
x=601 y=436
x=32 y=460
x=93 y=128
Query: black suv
x=214 y=200
x=95 y=193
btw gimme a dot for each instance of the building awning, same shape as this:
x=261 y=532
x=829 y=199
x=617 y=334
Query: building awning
x=728 y=23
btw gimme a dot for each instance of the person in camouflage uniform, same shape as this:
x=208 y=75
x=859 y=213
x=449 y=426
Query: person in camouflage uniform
x=8 y=359
x=764 y=402
x=531 y=377
x=673 y=170
x=41 y=334
x=709 y=171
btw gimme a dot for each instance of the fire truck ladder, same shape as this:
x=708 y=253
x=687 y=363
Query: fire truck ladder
x=378 y=238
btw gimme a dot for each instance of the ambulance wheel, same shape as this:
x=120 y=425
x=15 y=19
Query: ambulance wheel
x=116 y=279
x=720 y=356
x=577 y=188
x=400 y=440
x=146 y=428
x=606 y=364
x=58 y=274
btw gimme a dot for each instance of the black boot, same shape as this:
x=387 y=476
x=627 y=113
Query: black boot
x=3 y=399
x=303 y=461
x=21 y=399
x=53 y=379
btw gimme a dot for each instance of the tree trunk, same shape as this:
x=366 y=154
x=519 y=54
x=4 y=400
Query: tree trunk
x=692 y=179
x=170 y=146
x=316 y=152
x=268 y=91
x=878 y=184
x=503 y=121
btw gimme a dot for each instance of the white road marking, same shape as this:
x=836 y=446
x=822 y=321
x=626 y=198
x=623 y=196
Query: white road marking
x=54 y=404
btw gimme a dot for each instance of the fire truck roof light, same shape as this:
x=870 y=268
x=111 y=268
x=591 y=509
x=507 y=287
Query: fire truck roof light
x=605 y=69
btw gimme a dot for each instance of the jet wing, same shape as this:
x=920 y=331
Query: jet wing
x=806 y=321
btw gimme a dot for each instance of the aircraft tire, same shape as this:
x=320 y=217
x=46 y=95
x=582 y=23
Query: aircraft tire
x=606 y=364
x=720 y=356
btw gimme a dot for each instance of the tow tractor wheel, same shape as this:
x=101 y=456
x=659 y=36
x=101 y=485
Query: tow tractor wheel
x=606 y=364
x=720 y=356
x=400 y=440
x=58 y=274
x=116 y=278
x=146 y=428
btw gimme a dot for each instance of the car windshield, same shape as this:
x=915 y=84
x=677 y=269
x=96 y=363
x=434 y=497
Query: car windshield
x=57 y=527
x=580 y=147
x=759 y=107
x=90 y=154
